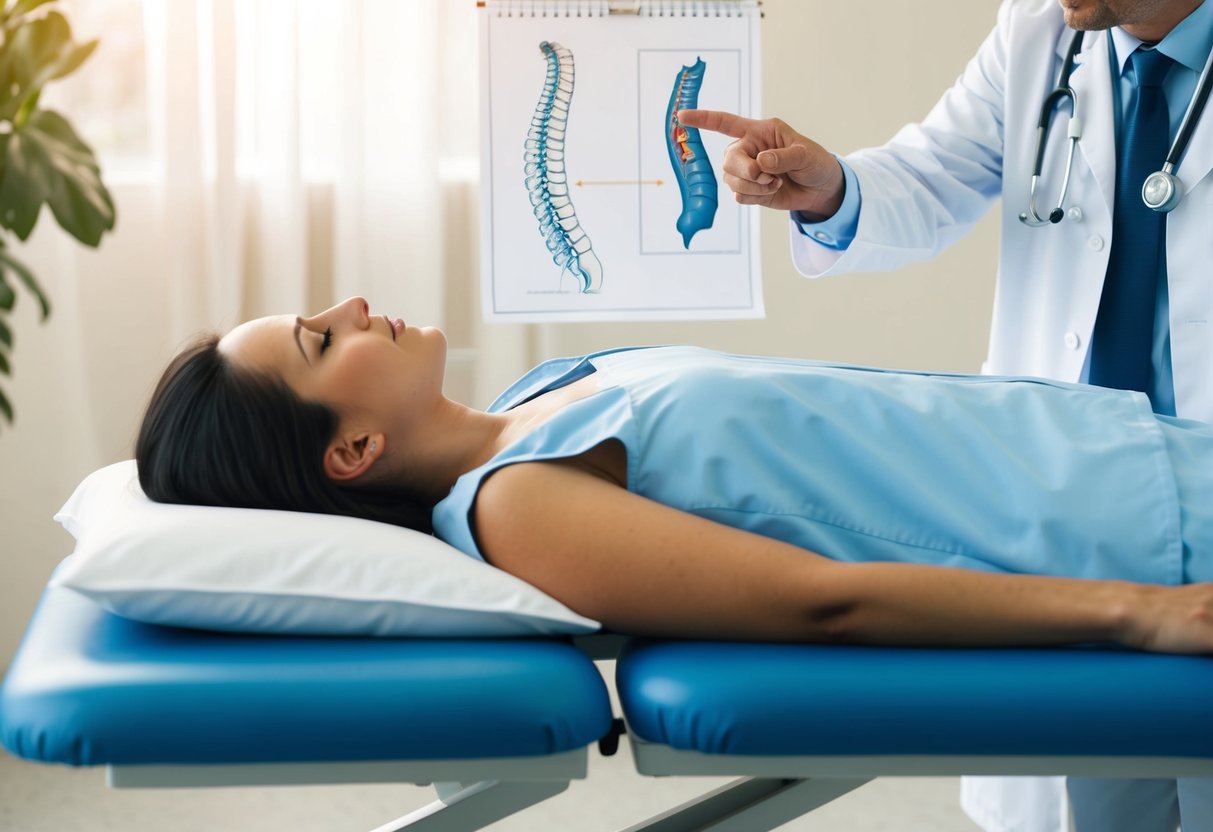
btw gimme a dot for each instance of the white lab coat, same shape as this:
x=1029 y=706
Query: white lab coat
x=1049 y=279
x=934 y=180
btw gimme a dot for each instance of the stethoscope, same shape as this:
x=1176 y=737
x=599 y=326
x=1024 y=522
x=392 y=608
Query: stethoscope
x=1162 y=191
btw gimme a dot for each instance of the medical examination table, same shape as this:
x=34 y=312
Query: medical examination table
x=498 y=725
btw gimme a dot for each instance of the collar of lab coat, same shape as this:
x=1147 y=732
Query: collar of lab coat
x=1092 y=85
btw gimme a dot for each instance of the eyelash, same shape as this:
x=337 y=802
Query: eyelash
x=328 y=340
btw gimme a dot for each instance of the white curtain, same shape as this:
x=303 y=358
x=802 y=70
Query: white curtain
x=300 y=152
x=256 y=234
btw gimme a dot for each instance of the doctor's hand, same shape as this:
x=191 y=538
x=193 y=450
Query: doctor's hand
x=771 y=164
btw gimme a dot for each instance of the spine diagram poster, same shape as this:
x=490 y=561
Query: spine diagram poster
x=596 y=203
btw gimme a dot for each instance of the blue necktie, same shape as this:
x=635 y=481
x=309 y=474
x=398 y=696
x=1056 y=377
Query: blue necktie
x=1124 y=329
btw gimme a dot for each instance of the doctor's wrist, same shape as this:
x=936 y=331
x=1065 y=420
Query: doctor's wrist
x=821 y=202
x=840 y=229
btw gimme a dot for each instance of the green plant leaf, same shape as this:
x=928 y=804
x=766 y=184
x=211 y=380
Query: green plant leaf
x=10 y=93
x=25 y=6
x=5 y=408
x=4 y=365
x=6 y=334
x=65 y=63
x=47 y=161
x=34 y=51
x=70 y=61
x=37 y=42
x=7 y=295
x=27 y=277
x=24 y=186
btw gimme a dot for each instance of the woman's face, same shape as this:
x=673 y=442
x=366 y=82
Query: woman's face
x=373 y=371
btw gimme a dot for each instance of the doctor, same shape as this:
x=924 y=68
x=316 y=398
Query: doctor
x=1099 y=288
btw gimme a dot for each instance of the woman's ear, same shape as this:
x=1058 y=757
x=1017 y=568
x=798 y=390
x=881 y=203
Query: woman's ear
x=348 y=458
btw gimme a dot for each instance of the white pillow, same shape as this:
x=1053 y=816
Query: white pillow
x=250 y=570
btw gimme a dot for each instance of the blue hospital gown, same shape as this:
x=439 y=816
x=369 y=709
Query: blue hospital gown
x=862 y=464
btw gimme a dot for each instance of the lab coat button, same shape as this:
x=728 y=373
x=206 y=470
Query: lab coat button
x=1095 y=242
x=823 y=236
x=1075 y=214
x=1072 y=340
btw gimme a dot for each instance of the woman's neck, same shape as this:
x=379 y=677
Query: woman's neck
x=458 y=439
x=452 y=441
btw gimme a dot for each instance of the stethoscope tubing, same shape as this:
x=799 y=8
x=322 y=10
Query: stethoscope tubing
x=1163 y=181
x=1195 y=107
x=1048 y=108
x=1047 y=111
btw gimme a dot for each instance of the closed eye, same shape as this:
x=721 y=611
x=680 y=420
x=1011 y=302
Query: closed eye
x=328 y=340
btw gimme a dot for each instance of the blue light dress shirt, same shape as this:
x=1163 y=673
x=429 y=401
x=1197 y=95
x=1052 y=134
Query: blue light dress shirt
x=1188 y=44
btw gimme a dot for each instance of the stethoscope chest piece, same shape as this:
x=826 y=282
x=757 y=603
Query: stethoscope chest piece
x=1162 y=191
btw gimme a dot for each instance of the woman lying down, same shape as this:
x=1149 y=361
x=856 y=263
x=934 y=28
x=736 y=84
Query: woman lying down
x=680 y=492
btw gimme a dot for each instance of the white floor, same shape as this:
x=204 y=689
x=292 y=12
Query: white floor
x=40 y=798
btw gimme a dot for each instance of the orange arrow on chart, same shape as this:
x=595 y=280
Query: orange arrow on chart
x=581 y=183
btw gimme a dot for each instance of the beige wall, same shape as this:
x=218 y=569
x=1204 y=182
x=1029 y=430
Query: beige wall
x=848 y=74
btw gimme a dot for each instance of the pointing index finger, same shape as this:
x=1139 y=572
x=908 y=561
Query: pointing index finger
x=715 y=120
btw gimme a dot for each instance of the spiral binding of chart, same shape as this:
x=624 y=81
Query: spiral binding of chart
x=605 y=8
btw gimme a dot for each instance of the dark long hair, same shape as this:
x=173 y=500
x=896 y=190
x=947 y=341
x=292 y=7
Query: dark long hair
x=216 y=434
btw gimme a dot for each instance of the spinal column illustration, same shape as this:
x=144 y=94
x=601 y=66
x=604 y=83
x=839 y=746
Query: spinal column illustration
x=547 y=182
x=696 y=180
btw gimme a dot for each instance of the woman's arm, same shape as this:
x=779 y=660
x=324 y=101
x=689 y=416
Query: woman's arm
x=644 y=568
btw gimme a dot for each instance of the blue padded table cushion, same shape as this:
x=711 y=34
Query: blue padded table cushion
x=88 y=688
x=797 y=700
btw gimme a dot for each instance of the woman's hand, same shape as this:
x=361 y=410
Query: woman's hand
x=770 y=164
x=1170 y=619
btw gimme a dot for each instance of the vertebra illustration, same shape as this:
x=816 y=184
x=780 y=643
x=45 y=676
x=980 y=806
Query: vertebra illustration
x=696 y=180
x=546 y=180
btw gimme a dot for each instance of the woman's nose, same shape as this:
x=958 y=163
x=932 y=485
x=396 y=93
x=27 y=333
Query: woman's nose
x=358 y=310
x=353 y=310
